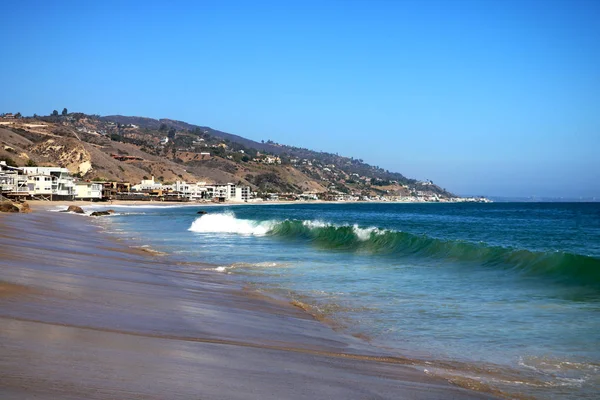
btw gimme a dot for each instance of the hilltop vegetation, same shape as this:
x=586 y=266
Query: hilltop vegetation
x=132 y=148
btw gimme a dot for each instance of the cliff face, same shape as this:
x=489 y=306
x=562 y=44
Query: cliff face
x=67 y=152
x=89 y=156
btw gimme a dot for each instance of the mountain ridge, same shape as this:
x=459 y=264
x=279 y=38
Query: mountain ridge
x=133 y=148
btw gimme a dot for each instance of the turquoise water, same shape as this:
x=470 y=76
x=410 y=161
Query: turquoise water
x=507 y=293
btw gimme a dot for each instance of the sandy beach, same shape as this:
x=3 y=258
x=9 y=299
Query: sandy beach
x=84 y=315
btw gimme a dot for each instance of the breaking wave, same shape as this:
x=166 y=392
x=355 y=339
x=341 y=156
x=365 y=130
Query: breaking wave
x=561 y=266
x=228 y=223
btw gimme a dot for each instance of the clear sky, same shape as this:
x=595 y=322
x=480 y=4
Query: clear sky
x=493 y=97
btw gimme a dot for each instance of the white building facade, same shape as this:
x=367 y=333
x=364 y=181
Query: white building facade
x=50 y=181
x=12 y=181
x=197 y=191
x=88 y=191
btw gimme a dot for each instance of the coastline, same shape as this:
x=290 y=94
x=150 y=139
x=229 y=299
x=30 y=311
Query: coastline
x=108 y=204
x=84 y=315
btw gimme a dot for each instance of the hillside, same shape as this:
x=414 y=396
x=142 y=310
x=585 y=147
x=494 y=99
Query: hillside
x=132 y=148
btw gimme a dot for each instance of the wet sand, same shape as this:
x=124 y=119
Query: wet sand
x=85 y=316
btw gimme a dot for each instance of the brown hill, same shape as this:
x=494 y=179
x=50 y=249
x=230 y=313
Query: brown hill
x=134 y=148
x=96 y=157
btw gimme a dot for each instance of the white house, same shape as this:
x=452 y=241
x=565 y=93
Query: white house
x=88 y=191
x=192 y=191
x=12 y=181
x=39 y=184
x=272 y=160
x=242 y=193
x=147 y=184
x=220 y=192
x=52 y=181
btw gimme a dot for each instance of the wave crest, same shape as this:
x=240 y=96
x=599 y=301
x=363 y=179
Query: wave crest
x=228 y=223
x=562 y=266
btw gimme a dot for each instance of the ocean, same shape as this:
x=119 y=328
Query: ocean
x=502 y=295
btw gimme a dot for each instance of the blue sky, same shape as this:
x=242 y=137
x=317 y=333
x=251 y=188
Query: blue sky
x=494 y=97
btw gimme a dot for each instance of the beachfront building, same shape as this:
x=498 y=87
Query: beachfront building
x=88 y=191
x=307 y=196
x=148 y=185
x=12 y=181
x=228 y=192
x=46 y=183
x=50 y=183
x=184 y=191
x=242 y=193
x=113 y=189
x=189 y=191
x=215 y=192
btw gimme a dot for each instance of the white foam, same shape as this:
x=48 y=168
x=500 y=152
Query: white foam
x=242 y=265
x=315 y=224
x=364 y=234
x=228 y=223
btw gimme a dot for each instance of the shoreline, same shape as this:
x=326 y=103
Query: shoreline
x=108 y=204
x=63 y=275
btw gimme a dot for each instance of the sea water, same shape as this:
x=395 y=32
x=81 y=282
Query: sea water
x=505 y=294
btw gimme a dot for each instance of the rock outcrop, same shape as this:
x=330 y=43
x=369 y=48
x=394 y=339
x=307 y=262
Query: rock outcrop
x=24 y=208
x=8 y=207
x=75 y=209
x=101 y=213
x=67 y=152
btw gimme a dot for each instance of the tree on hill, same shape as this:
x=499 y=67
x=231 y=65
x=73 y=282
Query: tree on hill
x=55 y=113
x=18 y=115
x=64 y=111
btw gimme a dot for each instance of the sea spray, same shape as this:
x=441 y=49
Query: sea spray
x=228 y=223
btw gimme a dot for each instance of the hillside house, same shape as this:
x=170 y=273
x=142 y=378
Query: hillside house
x=126 y=158
x=268 y=160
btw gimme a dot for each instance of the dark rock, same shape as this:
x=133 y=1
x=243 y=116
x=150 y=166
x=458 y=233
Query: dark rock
x=201 y=212
x=25 y=208
x=99 y=213
x=110 y=211
x=75 y=209
x=7 y=206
